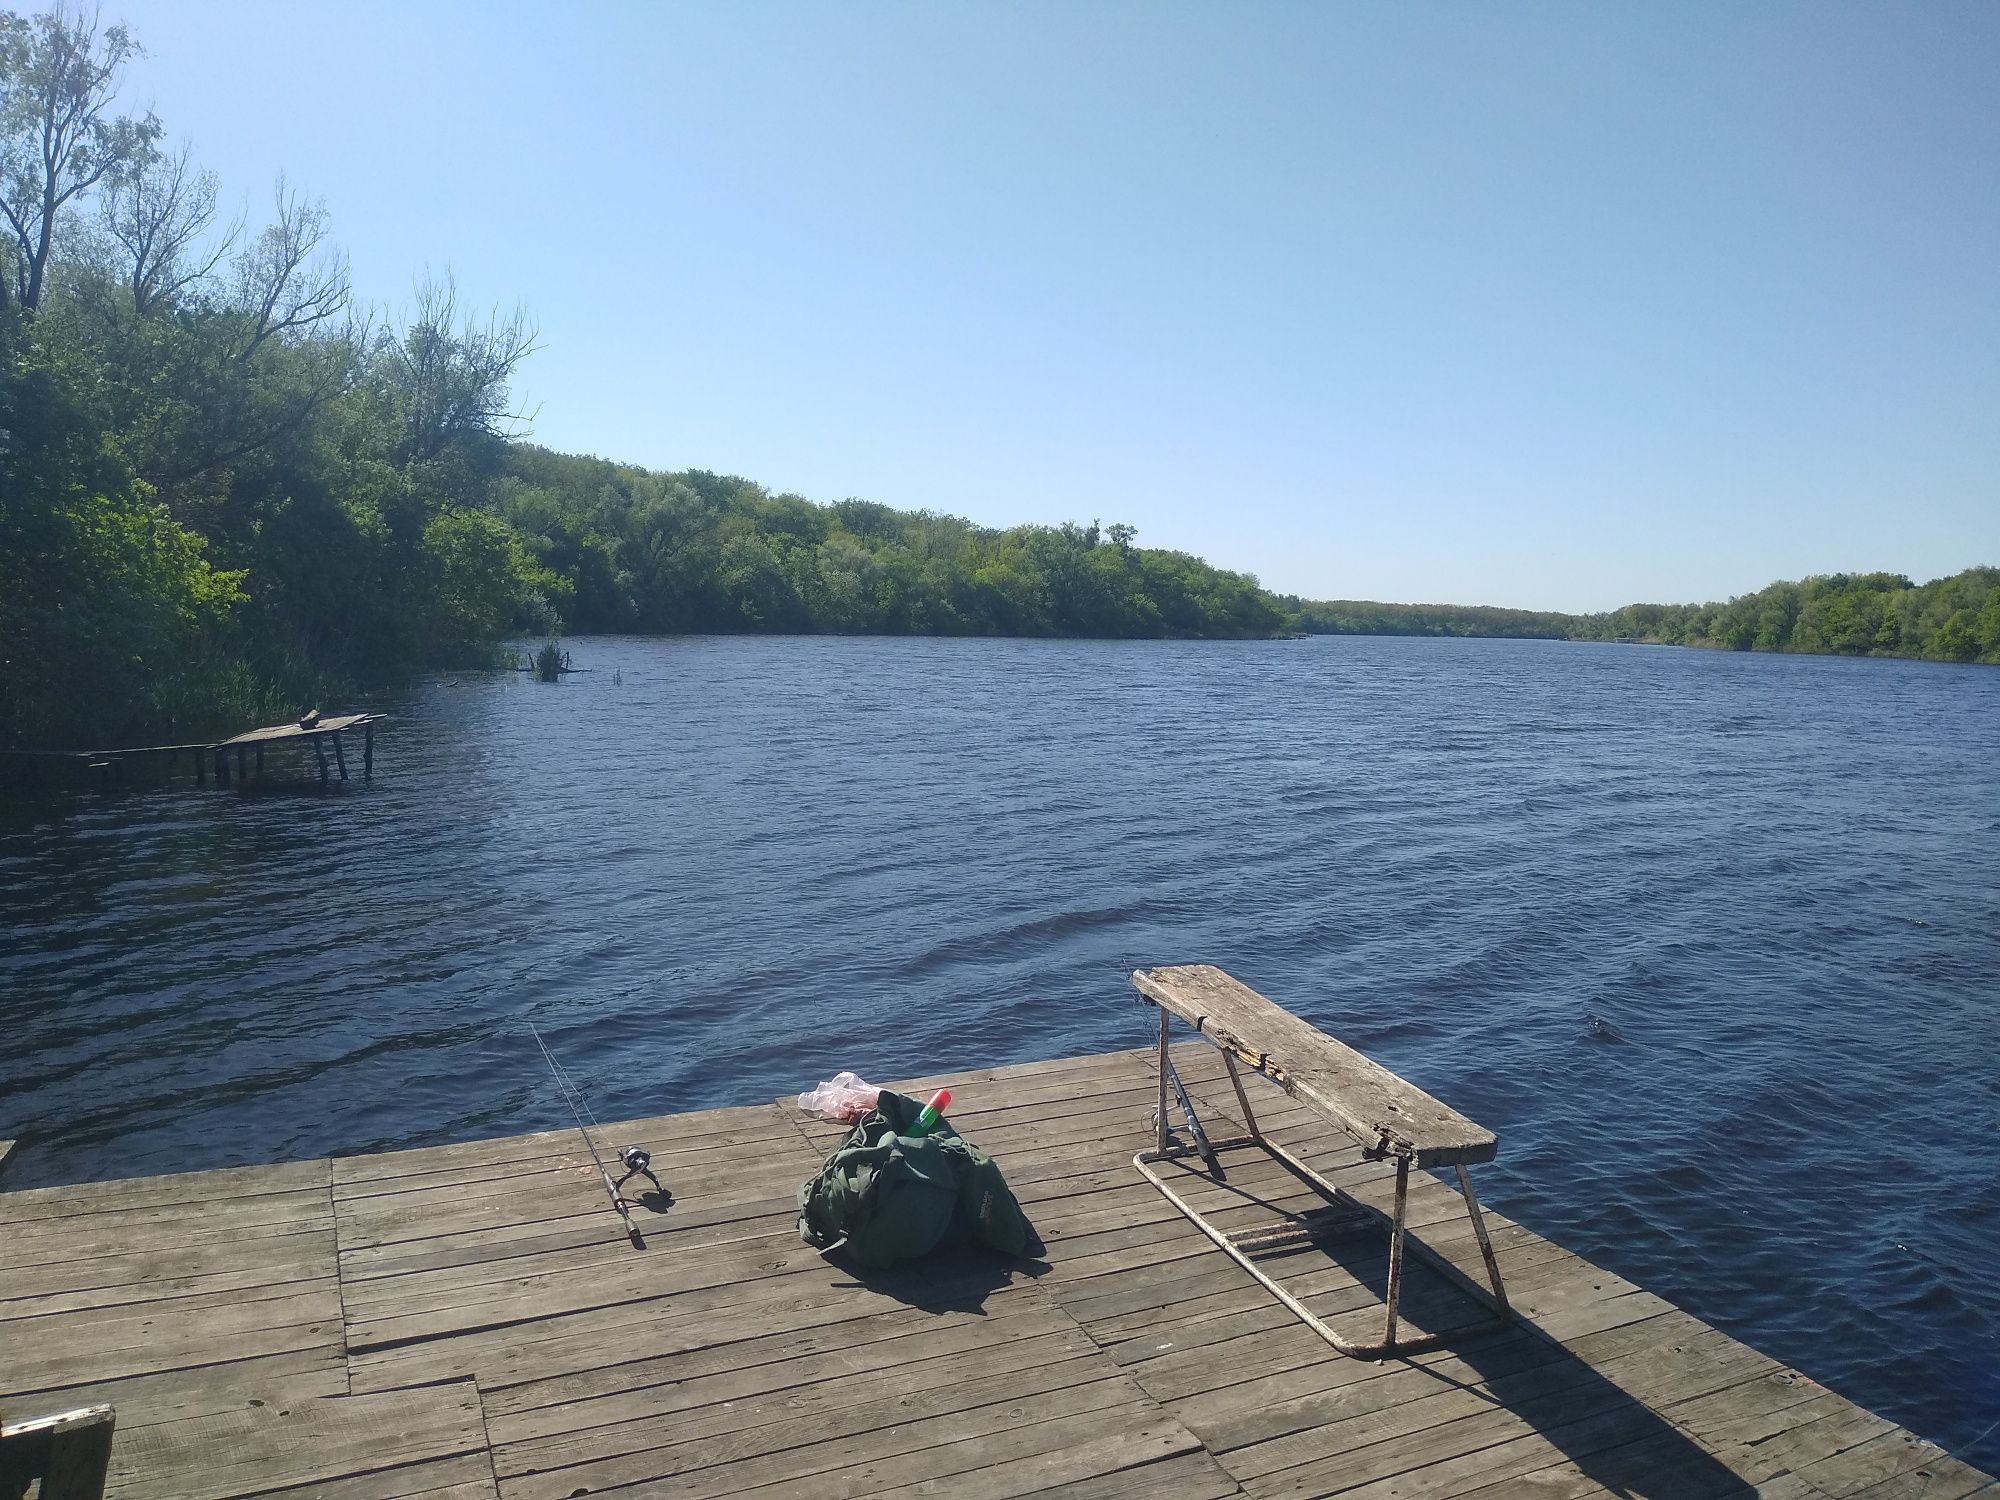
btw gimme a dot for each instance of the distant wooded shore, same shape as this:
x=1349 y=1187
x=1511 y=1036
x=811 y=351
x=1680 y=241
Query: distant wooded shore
x=1841 y=614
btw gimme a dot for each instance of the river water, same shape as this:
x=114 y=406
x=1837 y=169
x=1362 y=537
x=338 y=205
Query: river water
x=1711 y=941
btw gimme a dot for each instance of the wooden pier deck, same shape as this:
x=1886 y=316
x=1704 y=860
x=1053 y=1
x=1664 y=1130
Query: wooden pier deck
x=121 y=767
x=471 y=1321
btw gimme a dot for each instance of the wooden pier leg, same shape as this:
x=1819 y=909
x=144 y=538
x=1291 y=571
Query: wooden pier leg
x=320 y=752
x=1160 y=1133
x=1396 y=1250
x=221 y=766
x=339 y=759
x=70 y=1453
x=367 y=750
x=242 y=764
x=80 y=1455
x=1485 y=1244
x=1249 y=1120
x=260 y=762
x=201 y=768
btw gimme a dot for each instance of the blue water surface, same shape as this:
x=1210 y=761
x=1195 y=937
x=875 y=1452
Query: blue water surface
x=1710 y=940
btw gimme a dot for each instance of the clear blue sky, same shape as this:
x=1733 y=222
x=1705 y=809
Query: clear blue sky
x=1551 y=305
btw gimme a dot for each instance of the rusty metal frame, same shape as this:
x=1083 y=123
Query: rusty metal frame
x=1395 y=1224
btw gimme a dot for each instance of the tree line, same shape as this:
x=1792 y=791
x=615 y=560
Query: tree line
x=628 y=550
x=1847 y=614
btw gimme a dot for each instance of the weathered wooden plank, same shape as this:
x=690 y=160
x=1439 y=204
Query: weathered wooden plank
x=1939 y=1478
x=1375 y=1105
x=553 y=1197
x=154 y=1275
x=1192 y=1475
x=1234 y=1416
x=738 y=1121
x=156 y=1298
x=499 y=1174
x=72 y=1350
x=276 y=733
x=727 y=1312
x=1054 y=1461
x=255 y=1449
x=636 y=1375
x=48 y=1240
x=502 y=1252
x=122 y=1196
x=466 y=1477
x=1656 y=1391
x=199 y=1390
x=656 y=1411
x=1663 y=1466
x=1889 y=1456
x=638 y=1279
x=1488 y=1413
x=640 y=1451
x=997 y=1450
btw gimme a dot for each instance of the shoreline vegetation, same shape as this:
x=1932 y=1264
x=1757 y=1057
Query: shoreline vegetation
x=227 y=489
x=1841 y=614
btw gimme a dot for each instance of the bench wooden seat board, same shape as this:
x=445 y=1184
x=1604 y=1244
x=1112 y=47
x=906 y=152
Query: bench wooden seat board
x=1385 y=1113
x=1387 y=1116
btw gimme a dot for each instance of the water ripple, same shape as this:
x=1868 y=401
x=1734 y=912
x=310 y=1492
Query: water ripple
x=1708 y=940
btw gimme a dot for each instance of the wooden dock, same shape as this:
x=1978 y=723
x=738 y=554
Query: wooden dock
x=470 y=1320
x=128 y=766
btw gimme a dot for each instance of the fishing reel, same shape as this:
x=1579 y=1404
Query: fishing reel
x=638 y=1163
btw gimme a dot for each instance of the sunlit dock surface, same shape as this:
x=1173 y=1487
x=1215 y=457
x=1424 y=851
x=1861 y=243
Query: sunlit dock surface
x=470 y=1320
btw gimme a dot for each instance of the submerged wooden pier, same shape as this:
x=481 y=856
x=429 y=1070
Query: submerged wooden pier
x=470 y=1320
x=317 y=732
x=244 y=751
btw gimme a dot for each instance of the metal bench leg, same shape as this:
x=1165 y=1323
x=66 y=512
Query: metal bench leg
x=1485 y=1244
x=1161 y=1118
x=1396 y=1248
x=1249 y=1120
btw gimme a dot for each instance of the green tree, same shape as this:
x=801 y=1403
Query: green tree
x=480 y=583
x=1989 y=625
x=1957 y=639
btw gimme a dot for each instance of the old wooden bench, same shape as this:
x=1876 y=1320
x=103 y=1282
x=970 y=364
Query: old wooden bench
x=70 y=1454
x=1390 y=1119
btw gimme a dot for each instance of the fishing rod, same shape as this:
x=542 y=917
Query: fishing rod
x=637 y=1162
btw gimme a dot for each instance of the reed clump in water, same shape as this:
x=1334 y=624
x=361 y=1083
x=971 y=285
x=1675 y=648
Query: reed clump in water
x=551 y=662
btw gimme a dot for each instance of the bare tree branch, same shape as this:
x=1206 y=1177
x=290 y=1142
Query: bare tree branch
x=288 y=278
x=58 y=139
x=454 y=371
x=159 y=215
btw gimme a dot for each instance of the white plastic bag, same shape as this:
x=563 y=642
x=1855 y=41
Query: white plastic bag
x=845 y=1097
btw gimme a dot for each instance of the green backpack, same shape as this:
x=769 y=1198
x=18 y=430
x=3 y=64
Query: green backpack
x=893 y=1196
